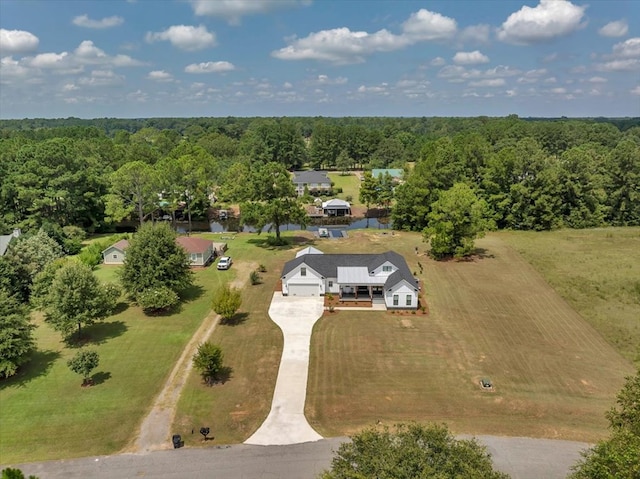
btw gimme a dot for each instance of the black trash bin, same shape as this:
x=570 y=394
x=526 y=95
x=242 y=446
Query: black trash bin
x=177 y=441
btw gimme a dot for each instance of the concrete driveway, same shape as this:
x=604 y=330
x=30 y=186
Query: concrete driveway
x=286 y=423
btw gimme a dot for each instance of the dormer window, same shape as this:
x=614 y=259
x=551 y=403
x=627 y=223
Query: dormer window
x=386 y=268
x=303 y=271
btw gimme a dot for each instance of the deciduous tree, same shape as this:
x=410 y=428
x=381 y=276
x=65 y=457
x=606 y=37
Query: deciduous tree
x=83 y=363
x=618 y=456
x=456 y=220
x=134 y=188
x=76 y=298
x=155 y=260
x=16 y=334
x=274 y=200
x=411 y=451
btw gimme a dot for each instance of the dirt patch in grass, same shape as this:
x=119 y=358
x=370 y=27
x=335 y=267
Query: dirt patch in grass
x=493 y=317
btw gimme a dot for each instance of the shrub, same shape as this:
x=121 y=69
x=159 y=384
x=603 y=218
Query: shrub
x=349 y=198
x=254 y=277
x=208 y=360
x=263 y=269
x=157 y=300
x=226 y=302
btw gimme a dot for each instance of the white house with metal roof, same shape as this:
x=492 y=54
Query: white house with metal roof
x=336 y=207
x=379 y=278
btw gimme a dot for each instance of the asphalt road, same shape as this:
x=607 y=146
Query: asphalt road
x=522 y=458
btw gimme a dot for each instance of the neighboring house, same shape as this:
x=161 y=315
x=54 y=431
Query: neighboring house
x=115 y=254
x=396 y=173
x=201 y=251
x=336 y=207
x=381 y=278
x=5 y=240
x=315 y=181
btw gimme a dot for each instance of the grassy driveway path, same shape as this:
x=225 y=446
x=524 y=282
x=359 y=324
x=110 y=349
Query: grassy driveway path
x=155 y=430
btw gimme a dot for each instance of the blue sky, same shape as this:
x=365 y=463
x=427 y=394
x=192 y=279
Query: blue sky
x=188 y=58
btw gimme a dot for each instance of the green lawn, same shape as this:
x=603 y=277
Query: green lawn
x=350 y=185
x=494 y=317
x=44 y=412
x=252 y=349
x=597 y=271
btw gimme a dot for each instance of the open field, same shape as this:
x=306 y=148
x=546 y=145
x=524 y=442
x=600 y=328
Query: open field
x=494 y=317
x=597 y=271
x=252 y=347
x=44 y=412
x=350 y=185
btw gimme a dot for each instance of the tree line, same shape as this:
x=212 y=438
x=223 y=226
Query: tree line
x=532 y=174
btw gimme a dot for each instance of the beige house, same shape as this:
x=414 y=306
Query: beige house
x=201 y=251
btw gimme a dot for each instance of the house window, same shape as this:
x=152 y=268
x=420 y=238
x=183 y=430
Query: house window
x=330 y=284
x=303 y=271
x=115 y=256
x=395 y=300
x=386 y=268
x=408 y=300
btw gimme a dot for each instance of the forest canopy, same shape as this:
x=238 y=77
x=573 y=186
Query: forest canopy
x=532 y=173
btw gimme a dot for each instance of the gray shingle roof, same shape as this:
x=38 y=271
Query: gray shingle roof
x=327 y=265
x=301 y=177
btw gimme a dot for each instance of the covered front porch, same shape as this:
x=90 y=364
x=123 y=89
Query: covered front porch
x=361 y=292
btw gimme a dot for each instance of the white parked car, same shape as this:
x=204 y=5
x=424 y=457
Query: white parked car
x=225 y=262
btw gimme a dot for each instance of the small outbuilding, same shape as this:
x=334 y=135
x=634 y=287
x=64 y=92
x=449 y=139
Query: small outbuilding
x=336 y=207
x=115 y=253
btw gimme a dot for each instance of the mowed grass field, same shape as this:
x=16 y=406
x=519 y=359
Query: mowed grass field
x=252 y=346
x=46 y=414
x=350 y=185
x=597 y=271
x=493 y=317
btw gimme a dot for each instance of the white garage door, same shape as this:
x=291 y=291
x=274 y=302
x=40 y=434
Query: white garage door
x=304 y=289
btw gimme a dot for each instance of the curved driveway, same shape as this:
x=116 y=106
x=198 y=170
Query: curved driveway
x=286 y=423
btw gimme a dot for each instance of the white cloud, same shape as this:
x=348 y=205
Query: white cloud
x=100 y=78
x=234 y=10
x=618 y=28
x=50 y=60
x=107 y=22
x=490 y=82
x=628 y=49
x=628 y=65
x=546 y=21
x=343 y=46
x=597 y=80
x=326 y=80
x=210 y=67
x=635 y=91
x=88 y=53
x=437 y=62
x=185 y=37
x=160 y=76
x=17 y=41
x=70 y=87
x=425 y=25
x=10 y=68
x=382 y=89
x=287 y=85
x=340 y=46
x=476 y=34
x=470 y=58
x=558 y=91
